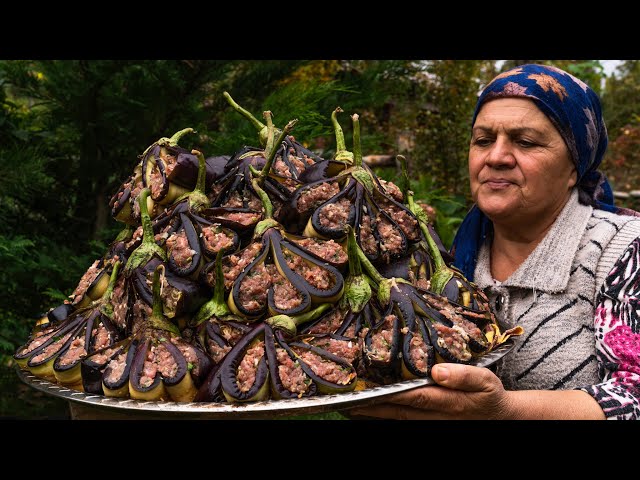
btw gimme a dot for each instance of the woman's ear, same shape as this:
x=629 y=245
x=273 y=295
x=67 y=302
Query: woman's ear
x=573 y=178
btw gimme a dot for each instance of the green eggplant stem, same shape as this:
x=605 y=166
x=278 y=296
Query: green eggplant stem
x=340 y=143
x=175 y=138
x=202 y=172
x=246 y=113
x=216 y=305
x=404 y=179
x=311 y=314
x=197 y=198
x=272 y=154
x=357 y=147
x=147 y=227
x=368 y=266
x=270 y=135
x=355 y=268
x=264 y=198
x=112 y=280
x=157 y=299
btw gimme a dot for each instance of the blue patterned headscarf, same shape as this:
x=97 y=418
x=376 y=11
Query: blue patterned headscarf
x=575 y=111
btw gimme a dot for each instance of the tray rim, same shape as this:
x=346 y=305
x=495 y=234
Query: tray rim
x=265 y=409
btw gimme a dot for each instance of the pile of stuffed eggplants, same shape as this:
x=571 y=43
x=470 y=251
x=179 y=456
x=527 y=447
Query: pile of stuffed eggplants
x=272 y=273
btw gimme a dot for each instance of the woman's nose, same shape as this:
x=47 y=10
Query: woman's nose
x=501 y=154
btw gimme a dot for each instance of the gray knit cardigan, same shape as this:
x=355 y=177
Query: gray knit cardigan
x=553 y=296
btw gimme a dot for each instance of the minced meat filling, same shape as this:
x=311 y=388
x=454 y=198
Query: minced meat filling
x=85 y=282
x=345 y=349
x=119 y=302
x=170 y=163
x=188 y=352
x=101 y=337
x=291 y=374
x=233 y=201
x=285 y=295
x=324 y=368
x=116 y=367
x=156 y=182
x=419 y=353
x=102 y=357
x=454 y=340
x=75 y=352
x=367 y=240
x=328 y=250
x=407 y=223
x=382 y=339
x=330 y=323
x=231 y=334
x=178 y=247
x=254 y=287
x=313 y=274
x=243 y=218
x=234 y=264
x=246 y=375
x=216 y=239
x=334 y=215
x=216 y=351
x=315 y=196
x=39 y=339
x=158 y=359
x=391 y=240
x=140 y=312
x=133 y=198
x=392 y=190
x=51 y=349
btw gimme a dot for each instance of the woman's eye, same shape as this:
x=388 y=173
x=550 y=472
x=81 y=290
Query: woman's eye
x=482 y=142
x=526 y=144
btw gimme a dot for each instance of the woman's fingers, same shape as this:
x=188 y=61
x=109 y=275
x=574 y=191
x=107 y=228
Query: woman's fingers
x=464 y=377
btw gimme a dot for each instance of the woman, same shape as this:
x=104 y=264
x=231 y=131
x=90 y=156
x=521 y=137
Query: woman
x=553 y=254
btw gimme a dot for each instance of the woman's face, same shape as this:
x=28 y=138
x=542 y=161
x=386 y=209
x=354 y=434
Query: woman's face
x=519 y=166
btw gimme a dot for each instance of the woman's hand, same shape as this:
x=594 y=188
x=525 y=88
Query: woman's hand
x=463 y=392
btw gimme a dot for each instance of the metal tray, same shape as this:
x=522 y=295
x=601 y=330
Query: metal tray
x=267 y=409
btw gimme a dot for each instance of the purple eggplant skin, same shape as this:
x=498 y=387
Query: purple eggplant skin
x=194 y=244
x=289 y=215
x=185 y=171
x=124 y=378
x=194 y=295
x=211 y=388
x=273 y=340
x=396 y=339
x=205 y=366
x=92 y=372
x=349 y=191
x=321 y=171
x=180 y=361
x=323 y=386
x=200 y=223
x=229 y=368
x=137 y=367
x=72 y=326
x=408 y=364
x=60 y=312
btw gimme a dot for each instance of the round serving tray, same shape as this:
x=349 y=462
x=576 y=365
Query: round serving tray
x=267 y=409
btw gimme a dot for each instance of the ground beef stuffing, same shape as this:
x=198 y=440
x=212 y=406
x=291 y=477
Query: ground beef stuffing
x=51 y=349
x=178 y=247
x=116 y=367
x=133 y=198
x=334 y=215
x=285 y=295
x=391 y=240
x=330 y=323
x=85 y=282
x=313 y=274
x=170 y=163
x=382 y=339
x=454 y=340
x=75 y=352
x=234 y=264
x=216 y=351
x=234 y=201
x=392 y=190
x=246 y=375
x=291 y=374
x=216 y=239
x=419 y=353
x=313 y=197
x=328 y=250
x=39 y=339
x=407 y=223
x=119 y=302
x=254 y=287
x=102 y=357
x=231 y=334
x=243 y=218
x=189 y=354
x=140 y=312
x=325 y=368
x=368 y=242
x=156 y=182
x=345 y=349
